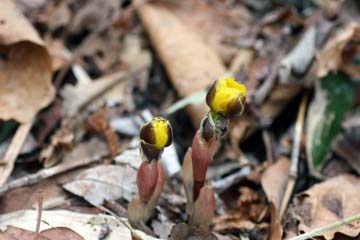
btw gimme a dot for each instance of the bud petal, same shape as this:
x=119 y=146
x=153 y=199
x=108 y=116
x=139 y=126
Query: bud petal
x=204 y=208
x=147 y=178
x=157 y=132
x=226 y=97
x=202 y=154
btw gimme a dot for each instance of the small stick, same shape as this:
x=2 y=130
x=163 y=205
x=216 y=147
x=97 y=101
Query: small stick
x=267 y=139
x=331 y=226
x=39 y=215
x=294 y=156
x=13 y=151
x=47 y=173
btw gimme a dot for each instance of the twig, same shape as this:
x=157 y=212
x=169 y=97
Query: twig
x=47 y=173
x=267 y=139
x=294 y=156
x=13 y=151
x=321 y=230
x=39 y=215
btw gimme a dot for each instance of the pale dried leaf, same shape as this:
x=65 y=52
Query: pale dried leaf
x=190 y=62
x=102 y=182
x=25 y=82
x=87 y=225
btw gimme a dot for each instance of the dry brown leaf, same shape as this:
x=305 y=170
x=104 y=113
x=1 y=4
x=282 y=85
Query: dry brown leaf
x=190 y=62
x=61 y=141
x=330 y=201
x=25 y=82
x=87 y=225
x=15 y=233
x=339 y=54
x=99 y=123
x=57 y=233
x=27 y=197
x=61 y=233
x=274 y=182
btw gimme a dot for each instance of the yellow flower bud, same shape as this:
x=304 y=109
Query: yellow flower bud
x=155 y=135
x=226 y=97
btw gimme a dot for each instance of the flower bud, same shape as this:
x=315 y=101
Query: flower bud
x=155 y=135
x=226 y=97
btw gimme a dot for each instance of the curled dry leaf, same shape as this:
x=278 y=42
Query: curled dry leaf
x=339 y=53
x=25 y=79
x=100 y=124
x=61 y=141
x=190 y=62
x=327 y=202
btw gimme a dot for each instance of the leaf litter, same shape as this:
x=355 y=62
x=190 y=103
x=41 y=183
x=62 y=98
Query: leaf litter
x=114 y=65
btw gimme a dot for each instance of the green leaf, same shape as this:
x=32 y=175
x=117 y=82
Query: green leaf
x=195 y=98
x=7 y=129
x=334 y=96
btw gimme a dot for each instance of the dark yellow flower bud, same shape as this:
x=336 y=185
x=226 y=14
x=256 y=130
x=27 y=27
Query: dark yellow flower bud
x=155 y=135
x=226 y=97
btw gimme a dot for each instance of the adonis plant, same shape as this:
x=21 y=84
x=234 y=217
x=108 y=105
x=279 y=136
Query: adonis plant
x=155 y=136
x=226 y=99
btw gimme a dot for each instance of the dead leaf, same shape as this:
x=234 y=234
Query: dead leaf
x=60 y=142
x=331 y=8
x=79 y=96
x=339 y=53
x=86 y=225
x=61 y=233
x=191 y=63
x=100 y=124
x=327 y=202
x=57 y=233
x=347 y=145
x=274 y=181
x=15 y=233
x=25 y=82
x=27 y=197
x=110 y=182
